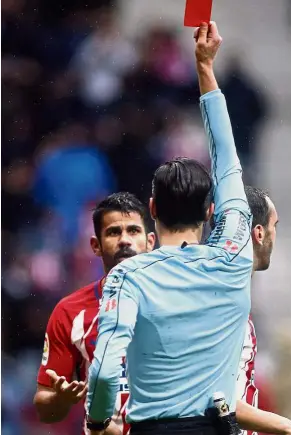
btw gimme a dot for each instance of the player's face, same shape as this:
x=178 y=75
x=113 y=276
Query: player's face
x=122 y=236
x=264 y=252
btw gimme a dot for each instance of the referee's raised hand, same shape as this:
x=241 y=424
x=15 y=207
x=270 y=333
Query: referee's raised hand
x=208 y=41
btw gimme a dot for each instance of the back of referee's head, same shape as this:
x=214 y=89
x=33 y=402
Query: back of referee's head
x=181 y=194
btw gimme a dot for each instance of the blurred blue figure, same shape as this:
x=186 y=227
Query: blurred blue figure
x=70 y=174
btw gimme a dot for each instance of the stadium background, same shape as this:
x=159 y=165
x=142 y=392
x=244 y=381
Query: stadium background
x=95 y=95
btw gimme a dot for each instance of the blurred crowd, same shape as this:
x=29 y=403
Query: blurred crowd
x=85 y=112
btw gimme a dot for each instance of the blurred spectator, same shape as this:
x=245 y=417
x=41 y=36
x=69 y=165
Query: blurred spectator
x=182 y=135
x=102 y=59
x=19 y=210
x=129 y=155
x=247 y=108
x=164 y=71
x=70 y=173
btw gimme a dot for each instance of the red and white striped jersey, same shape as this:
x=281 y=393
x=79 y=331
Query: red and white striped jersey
x=70 y=342
x=246 y=388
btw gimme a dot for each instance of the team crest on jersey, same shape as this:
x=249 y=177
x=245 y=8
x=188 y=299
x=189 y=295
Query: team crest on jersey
x=46 y=349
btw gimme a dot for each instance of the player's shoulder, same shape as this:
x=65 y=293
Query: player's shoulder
x=78 y=299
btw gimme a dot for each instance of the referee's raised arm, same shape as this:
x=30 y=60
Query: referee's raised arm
x=232 y=214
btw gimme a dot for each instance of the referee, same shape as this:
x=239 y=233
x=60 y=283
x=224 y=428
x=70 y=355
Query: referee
x=179 y=313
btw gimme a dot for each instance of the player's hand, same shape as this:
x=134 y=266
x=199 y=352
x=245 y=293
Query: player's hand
x=208 y=42
x=72 y=393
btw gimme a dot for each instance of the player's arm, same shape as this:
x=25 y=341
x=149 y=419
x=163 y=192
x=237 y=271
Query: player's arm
x=116 y=325
x=250 y=418
x=54 y=404
x=56 y=392
x=232 y=215
x=245 y=386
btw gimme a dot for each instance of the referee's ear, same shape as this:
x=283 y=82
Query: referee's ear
x=152 y=207
x=210 y=212
x=151 y=240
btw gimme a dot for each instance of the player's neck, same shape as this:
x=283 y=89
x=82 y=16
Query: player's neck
x=190 y=236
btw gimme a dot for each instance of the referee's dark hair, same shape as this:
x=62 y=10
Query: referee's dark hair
x=258 y=203
x=124 y=202
x=181 y=191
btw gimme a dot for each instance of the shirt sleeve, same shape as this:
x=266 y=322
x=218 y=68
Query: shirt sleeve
x=246 y=389
x=59 y=354
x=232 y=218
x=117 y=320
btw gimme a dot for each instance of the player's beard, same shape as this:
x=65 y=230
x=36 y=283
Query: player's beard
x=124 y=253
x=110 y=261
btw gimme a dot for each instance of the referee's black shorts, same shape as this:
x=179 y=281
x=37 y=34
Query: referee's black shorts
x=179 y=426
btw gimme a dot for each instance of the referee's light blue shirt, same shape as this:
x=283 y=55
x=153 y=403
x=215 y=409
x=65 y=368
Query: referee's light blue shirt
x=179 y=314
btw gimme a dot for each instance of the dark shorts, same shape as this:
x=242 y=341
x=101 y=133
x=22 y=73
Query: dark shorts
x=179 y=426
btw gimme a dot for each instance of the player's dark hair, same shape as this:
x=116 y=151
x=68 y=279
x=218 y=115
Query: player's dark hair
x=124 y=202
x=257 y=199
x=182 y=193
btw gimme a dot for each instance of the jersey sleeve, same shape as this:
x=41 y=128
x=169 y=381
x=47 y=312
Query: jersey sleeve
x=117 y=320
x=59 y=354
x=232 y=218
x=246 y=389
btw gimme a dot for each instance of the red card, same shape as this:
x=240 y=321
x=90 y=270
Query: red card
x=196 y=12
